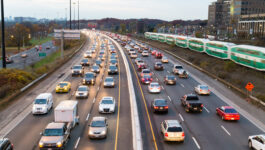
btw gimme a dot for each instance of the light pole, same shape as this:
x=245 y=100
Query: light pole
x=78 y=16
x=70 y=14
x=3 y=35
x=74 y=14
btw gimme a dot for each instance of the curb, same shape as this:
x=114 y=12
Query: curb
x=211 y=75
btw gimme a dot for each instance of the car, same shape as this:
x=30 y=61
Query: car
x=140 y=50
x=89 y=78
x=176 y=69
x=113 y=62
x=48 y=47
x=9 y=60
x=109 y=82
x=145 y=72
x=55 y=136
x=98 y=62
x=191 y=102
x=95 y=68
x=77 y=70
x=183 y=74
x=88 y=54
x=63 y=87
x=202 y=90
x=227 y=113
x=98 y=128
x=107 y=105
x=164 y=59
x=85 y=62
x=5 y=144
x=133 y=55
x=158 y=55
x=172 y=131
x=137 y=59
x=82 y=92
x=159 y=105
x=153 y=52
x=131 y=51
x=256 y=142
x=141 y=66
x=170 y=79
x=154 y=87
x=112 y=51
x=146 y=79
x=114 y=55
x=145 y=53
x=112 y=69
x=158 y=66
x=42 y=104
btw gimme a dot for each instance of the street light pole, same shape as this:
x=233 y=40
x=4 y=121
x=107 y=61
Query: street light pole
x=78 y=16
x=70 y=14
x=3 y=35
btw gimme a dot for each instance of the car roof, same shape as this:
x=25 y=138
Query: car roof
x=227 y=107
x=64 y=82
x=82 y=86
x=173 y=123
x=107 y=98
x=98 y=118
x=109 y=78
x=191 y=95
x=43 y=95
x=154 y=83
x=54 y=125
x=3 y=140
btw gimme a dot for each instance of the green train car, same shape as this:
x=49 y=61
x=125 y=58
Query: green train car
x=170 y=39
x=218 y=49
x=197 y=44
x=162 y=38
x=182 y=41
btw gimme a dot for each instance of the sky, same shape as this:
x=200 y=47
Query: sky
x=97 y=9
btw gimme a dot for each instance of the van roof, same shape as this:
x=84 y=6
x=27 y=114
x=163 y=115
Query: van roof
x=66 y=105
x=43 y=95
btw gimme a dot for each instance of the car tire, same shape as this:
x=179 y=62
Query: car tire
x=223 y=118
x=250 y=144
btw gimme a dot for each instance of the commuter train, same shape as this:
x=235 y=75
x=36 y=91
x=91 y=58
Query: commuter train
x=246 y=55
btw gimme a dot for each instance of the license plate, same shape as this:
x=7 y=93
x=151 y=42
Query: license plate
x=232 y=118
x=161 y=107
x=49 y=149
x=195 y=108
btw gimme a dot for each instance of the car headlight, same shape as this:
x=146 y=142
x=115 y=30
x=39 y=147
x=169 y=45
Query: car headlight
x=108 y=70
x=40 y=144
x=112 y=83
x=103 y=132
x=59 y=144
x=72 y=71
x=90 y=132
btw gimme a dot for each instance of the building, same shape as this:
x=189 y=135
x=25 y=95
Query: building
x=24 y=19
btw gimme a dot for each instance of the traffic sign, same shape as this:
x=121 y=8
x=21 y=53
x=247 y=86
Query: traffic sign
x=249 y=86
x=42 y=54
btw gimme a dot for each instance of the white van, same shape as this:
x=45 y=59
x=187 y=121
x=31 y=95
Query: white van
x=42 y=104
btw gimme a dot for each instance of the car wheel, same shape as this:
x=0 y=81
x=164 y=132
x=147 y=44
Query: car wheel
x=250 y=144
x=223 y=118
x=187 y=110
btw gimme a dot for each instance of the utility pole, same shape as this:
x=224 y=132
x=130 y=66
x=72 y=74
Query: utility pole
x=74 y=17
x=70 y=14
x=62 y=44
x=78 y=16
x=3 y=35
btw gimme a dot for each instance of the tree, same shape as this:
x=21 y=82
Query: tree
x=19 y=34
x=122 y=28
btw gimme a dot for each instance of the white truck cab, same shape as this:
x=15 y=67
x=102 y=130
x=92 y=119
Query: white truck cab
x=42 y=104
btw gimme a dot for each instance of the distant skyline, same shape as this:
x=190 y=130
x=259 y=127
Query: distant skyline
x=122 y=9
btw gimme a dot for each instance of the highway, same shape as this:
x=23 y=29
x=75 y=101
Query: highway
x=32 y=56
x=204 y=130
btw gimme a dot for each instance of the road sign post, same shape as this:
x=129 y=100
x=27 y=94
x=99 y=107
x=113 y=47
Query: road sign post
x=249 y=88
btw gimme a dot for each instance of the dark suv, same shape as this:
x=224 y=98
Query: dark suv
x=89 y=78
x=5 y=144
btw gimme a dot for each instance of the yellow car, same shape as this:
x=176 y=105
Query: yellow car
x=63 y=87
x=164 y=60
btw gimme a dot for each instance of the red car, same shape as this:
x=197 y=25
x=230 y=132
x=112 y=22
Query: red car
x=146 y=79
x=141 y=66
x=159 y=55
x=153 y=52
x=227 y=113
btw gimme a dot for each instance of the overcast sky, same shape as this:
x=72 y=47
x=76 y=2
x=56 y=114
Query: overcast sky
x=123 y=9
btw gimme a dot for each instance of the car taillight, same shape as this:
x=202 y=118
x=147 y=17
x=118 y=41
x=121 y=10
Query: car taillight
x=166 y=107
x=151 y=79
x=166 y=134
x=200 y=90
x=155 y=107
x=201 y=105
x=183 y=134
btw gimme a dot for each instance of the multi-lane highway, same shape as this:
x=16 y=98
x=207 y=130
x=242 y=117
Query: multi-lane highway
x=203 y=130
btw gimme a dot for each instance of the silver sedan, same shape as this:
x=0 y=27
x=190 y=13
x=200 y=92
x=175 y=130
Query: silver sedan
x=154 y=87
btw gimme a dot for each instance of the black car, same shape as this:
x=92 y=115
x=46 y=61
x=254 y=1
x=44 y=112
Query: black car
x=159 y=105
x=170 y=79
x=5 y=144
x=89 y=78
x=85 y=62
x=192 y=103
x=158 y=66
x=113 y=69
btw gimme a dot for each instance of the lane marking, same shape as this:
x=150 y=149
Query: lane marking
x=182 y=85
x=225 y=130
x=77 y=142
x=87 y=116
x=169 y=98
x=168 y=71
x=162 y=87
x=206 y=109
x=181 y=117
x=197 y=144
x=94 y=100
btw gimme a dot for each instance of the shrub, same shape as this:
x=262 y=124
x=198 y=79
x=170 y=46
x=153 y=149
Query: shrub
x=261 y=97
x=204 y=64
x=229 y=66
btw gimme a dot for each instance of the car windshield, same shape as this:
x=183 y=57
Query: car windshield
x=77 y=67
x=62 y=84
x=146 y=76
x=40 y=101
x=164 y=57
x=203 y=87
x=109 y=80
x=112 y=67
x=158 y=64
x=100 y=123
x=53 y=132
x=95 y=67
x=192 y=98
x=82 y=89
x=174 y=129
x=98 y=62
x=230 y=111
x=171 y=78
x=84 y=60
x=146 y=71
x=160 y=102
x=154 y=85
x=107 y=102
x=178 y=67
x=89 y=75
x=113 y=61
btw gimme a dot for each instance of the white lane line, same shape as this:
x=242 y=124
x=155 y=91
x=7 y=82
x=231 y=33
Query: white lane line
x=206 y=109
x=195 y=141
x=77 y=142
x=169 y=98
x=162 y=87
x=181 y=117
x=225 y=130
x=87 y=117
x=94 y=100
x=182 y=85
x=168 y=71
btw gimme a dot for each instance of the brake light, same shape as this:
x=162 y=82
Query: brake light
x=155 y=107
x=183 y=134
x=151 y=79
x=166 y=134
x=200 y=90
x=166 y=107
x=201 y=105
